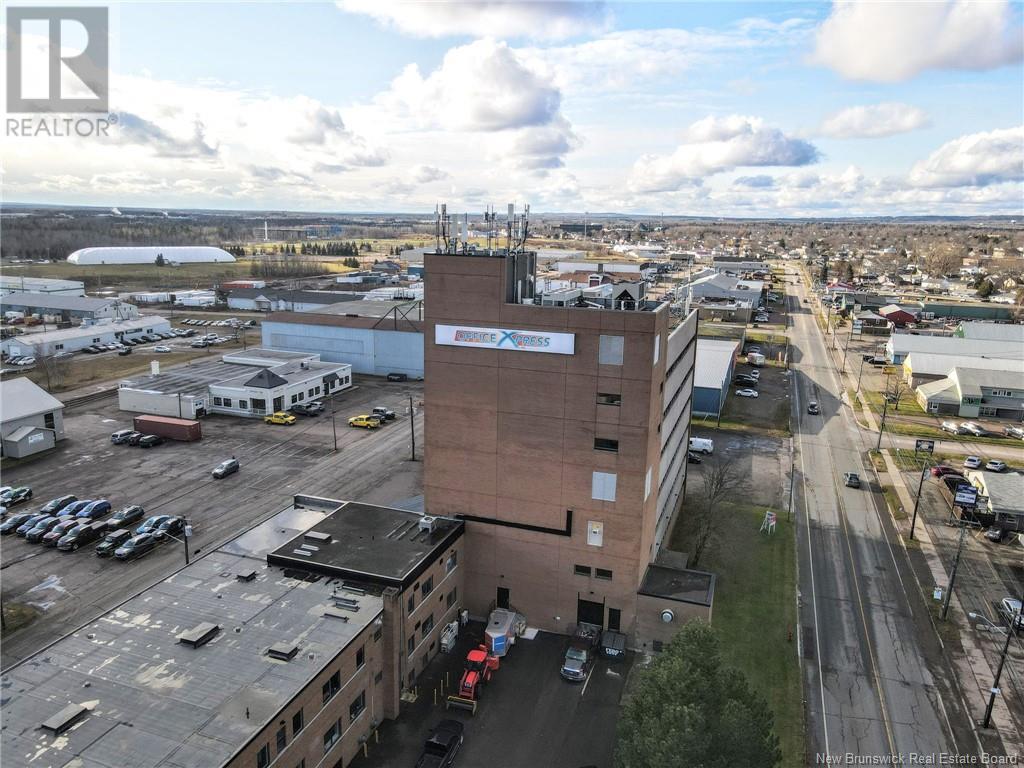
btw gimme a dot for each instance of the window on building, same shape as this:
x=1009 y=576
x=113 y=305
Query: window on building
x=602 y=486
x=295 y=399
x=453 y=561
x=428 y=586
x=602 y=573
x=360 y=657
x=607 y=398
x=428 y=624
x=355 y=709
x=606 y=444
x=657 y=348
x=310 y=394
x=263 y=756
x=298 y=723
x=331 y=737
x=452 y=597
x=227 y=402
x=610 y=350
x=581 y=570
x=411 y=645
x=647 y=484
x=316 y=390
x=331 y=687
x=378 y=677
x=58 y=346
x=218 y=401
x=412 y=603
x=96 y=340
x=259 y=406
x=282 y=739
x=243 y=404
x=378 y=633
x=48 y=421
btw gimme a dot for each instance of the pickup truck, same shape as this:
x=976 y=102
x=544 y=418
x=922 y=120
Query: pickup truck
x=442 y=745
x=383 y=413
x=579 y=656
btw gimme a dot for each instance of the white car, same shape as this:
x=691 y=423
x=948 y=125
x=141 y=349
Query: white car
x=951 y=426
x=746 y=393
x=754 y=374
x=1009 y=609
x=971 y=428
x=972 y=462
x=162 y=348
x=995 y=465
x=26 y=361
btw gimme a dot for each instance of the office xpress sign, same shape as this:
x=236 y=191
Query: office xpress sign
x=501 y=338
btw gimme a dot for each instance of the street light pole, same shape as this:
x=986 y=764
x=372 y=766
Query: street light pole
x=334 y=427
x=412 y=428
x=952 y=574
x=999 y=670
x=917 y=501
x=861 y=373
x=881 y=426
x=792 y=482
x=846 y=349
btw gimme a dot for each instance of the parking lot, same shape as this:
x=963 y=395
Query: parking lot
x=529 y=716
x=65 y=589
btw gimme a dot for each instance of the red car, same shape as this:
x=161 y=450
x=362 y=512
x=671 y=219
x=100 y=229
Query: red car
x=942 y=470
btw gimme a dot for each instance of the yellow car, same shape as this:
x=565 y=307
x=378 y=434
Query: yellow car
x=279 y=418
x=364 y=421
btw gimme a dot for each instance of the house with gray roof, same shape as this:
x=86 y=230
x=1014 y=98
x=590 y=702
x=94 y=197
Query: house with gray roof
x=31 y=419
x=971 y=392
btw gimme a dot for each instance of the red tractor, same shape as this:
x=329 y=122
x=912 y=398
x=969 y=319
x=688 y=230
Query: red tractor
x=480 y=667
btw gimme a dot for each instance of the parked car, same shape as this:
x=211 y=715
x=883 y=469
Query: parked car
x=175 y=526
x=121 y=436
x=134 y=437
x=972 y=462
x=84 y=533
x=364 y=421
x=442 y=745
x=753 y=373
x=162 y=348
x=970 y=428
x=996 y=465
x=702 y=445
x=579 y=656
x=383 y=414
x=1017 y=432
x=398 y=377
x=35 y=533
x=996 y=534
x=746 y=392
x=136 y=546
x=813 y=408
x=12 y=523
x=58 y=504
x=745 y=380
x=125 y=517
x=16 y=496
x=94 y=511
x=150 y=441
x=200 y=344
x=693 y=458
x=124 y=352
x=112 y=541
x=851 y=479
x=1009 y=609
x=225 y=468
x=304 y=409
x=280 y=417
x=151 y=524
x=941 y=470
x=73 y=509
x=52 y=536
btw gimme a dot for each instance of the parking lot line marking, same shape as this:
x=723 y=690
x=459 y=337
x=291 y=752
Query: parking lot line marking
x=586 y=682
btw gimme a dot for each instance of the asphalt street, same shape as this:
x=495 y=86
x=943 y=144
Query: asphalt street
x=875 y=681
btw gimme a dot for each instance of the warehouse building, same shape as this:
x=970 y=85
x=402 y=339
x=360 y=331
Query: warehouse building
x=716 y=361
x=1010 y=333
x=559 y=435
x=251 y=655
x=31 y=419
x=21 y=284
x=285 y=300
x=150 y=254
x=82 y=336
x=902 y=344
x=374 y=337
x=64 y=308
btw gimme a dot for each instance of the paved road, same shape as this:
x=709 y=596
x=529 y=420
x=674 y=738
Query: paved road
x=865 y=634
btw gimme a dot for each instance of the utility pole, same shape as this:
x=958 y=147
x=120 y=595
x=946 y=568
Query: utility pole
x=917 y=501
x=861 y=373
x=846 y=349
x=334 y=427
x=412 y=428
x=792 y=482
x=881 y=426
x=999 y=670
x=952 y=574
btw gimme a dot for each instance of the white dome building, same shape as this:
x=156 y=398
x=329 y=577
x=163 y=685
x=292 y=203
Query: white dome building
x=173 y=254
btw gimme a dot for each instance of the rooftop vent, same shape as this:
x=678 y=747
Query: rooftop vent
x=345 y=603
x=283 y=651
x=334 y=613
x=354 y=589
x=303 y=552
x=64 y=719
x=428 y=523
x=247 y=576
x=317 y=536
x=199 y=635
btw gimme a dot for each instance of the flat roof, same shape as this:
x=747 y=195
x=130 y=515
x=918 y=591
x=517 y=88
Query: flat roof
x=153 y=700
x=680 y=584
x=292 y=373
x=116 y=326
x=56 y=301
x=365 y=542
x=188 y=380
x=266 y=356
x=714 y=357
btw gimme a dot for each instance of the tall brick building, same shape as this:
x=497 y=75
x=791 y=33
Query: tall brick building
x=557 y=428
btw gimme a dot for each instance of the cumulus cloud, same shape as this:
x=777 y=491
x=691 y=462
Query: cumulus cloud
x=874 y=121
x=756 y=182
x=424 y=174
x=552 y=19
x=717 y=144
x=316 y=125
x=894 y=41
x=133 y=129
x=975 y=160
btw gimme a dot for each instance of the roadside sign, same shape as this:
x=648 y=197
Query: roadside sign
x=924 y=446
x=888 y=370
x=188 y=531
x=966 y=495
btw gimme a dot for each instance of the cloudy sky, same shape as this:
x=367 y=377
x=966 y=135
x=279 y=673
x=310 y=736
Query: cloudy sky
x=684 y=108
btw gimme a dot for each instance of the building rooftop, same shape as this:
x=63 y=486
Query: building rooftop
x=365 y=542
x=295 y=295
x=1005 y=490
x=971 y=380
x=682 y=585
x=276 y=376
x=374 y=309
x=150 y=697
x=56 y=302
x=22 y=397
x=992 y=331
x=905 y=343
x=65 y=334
x=189 y=380
x=935 y=364
x=714 y=358
x=22 y=282
x=265 y=357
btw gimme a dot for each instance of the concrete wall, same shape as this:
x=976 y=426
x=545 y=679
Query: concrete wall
x=371 y=351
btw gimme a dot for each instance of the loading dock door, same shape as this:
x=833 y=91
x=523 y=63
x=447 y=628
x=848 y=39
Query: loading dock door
x=590 y=612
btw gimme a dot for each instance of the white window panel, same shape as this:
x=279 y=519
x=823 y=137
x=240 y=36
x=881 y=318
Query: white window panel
x=657 y=348
x=610 y=352
x=602 y=486
x=647 y=484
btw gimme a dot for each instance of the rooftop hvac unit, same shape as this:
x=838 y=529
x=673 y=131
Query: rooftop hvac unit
x=283 y=651
x=64 y=719
x=199 y=635
x=428 y=523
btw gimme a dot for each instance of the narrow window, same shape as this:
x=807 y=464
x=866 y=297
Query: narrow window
x=581 y=570
x=603 y=573
x=606 y=444
x=607 y=398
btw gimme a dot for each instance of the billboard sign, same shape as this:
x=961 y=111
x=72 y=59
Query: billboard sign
x=966 y=495
x=502 y=338
x=924 y=446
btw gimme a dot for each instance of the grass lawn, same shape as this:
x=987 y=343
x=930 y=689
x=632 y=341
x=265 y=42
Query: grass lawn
x=755 y=612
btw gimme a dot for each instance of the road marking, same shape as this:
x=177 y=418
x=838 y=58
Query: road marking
x=587 y=681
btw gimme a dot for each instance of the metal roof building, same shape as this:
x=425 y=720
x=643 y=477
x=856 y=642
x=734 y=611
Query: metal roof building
x=23 y=284
x=31 y=420
x=68 y=307
x=172 y=254
x=73 y=339
x=991 y=331
x=716 y=360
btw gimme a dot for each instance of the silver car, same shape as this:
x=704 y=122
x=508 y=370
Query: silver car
x=1009 y=609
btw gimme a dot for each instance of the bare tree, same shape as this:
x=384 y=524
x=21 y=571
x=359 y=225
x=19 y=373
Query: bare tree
x=895 y=390
x=54 y=369
x=720 y=479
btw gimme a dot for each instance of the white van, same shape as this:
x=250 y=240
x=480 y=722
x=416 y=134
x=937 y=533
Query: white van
x=755 y=358
x=702 y=445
